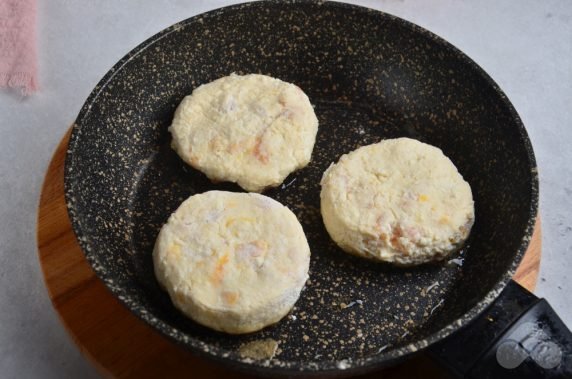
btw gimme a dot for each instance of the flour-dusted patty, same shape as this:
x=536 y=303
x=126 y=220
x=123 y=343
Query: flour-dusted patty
x=399 y=201
x=253 y=130
x=235 y=262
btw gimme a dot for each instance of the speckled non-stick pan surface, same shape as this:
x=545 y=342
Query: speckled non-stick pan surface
x=370 y=76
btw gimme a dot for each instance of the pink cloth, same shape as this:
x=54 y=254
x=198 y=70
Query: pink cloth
x=18 y=60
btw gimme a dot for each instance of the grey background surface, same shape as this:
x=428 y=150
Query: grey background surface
x=526 y=46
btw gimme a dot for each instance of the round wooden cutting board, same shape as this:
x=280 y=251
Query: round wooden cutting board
x=116 y=341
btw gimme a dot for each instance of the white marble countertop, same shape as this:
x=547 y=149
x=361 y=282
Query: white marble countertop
x=526 y=46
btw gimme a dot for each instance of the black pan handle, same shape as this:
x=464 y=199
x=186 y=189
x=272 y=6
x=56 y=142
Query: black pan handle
x=518 y=336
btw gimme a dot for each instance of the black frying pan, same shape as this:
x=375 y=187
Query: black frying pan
x=370 y=76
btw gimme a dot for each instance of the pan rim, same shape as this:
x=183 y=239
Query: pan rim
x=318 y=367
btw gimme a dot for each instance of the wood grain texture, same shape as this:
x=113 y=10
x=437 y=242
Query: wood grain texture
x=117 y=342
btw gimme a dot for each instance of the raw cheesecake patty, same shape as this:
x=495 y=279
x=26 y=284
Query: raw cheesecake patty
x=253 y=130
x=235 y=262
x=399 y=200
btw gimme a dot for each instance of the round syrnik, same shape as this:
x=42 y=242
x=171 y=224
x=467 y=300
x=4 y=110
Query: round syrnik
x=399 y=200
x=235 y=262
x=252 y=129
